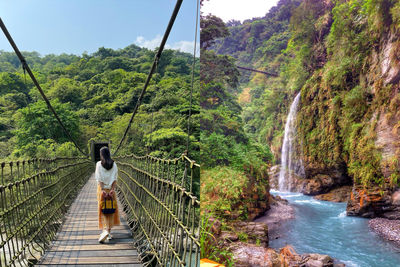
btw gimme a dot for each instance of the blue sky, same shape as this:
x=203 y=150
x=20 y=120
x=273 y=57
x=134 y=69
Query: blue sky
x=75 y=26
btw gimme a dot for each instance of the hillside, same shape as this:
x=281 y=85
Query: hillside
x=94 y=95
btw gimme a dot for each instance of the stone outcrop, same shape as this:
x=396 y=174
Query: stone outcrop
x=249 y=232
x=273 y=174
x=317 y=181
x=280 y=212
x=374 y=202
x=252 y=256
x=247 y=255
x=341 y=194
x=322 y=180
x=255 y=232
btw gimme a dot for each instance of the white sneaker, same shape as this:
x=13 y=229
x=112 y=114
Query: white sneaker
x=103 y=236
x=109 y=237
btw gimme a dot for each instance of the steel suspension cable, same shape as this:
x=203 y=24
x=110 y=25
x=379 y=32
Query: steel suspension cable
x=192 y=83
x=156 y=59
x=26 y=67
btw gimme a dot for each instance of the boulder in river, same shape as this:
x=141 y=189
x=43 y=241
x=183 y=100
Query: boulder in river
x=340 y=194
x=317 y=181
x=372 y=202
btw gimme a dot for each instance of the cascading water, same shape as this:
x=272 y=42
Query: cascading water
x=290 y=165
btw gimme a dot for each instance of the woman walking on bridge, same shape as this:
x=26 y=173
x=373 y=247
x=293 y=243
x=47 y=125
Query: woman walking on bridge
x=106 y=177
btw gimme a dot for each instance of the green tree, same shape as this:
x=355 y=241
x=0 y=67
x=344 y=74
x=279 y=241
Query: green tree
x=211 y=27
x=36 y=122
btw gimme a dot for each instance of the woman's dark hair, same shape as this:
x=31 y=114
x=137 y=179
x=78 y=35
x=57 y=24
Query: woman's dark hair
x=105 y=158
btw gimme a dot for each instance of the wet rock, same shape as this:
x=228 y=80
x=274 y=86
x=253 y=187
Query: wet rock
x=389 y=64
x=322 y=179
x=248 y=255
x=314 y=263
x=273 y=174
x=371 y=202
x=396 y=198
x=392 y=215
x=324 y=259
x=318 y=180
x=341 y=194
x=316 y=260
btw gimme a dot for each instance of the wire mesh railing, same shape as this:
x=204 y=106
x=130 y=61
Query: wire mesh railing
x=33 y=200
x=162 y=208
x=13 y=171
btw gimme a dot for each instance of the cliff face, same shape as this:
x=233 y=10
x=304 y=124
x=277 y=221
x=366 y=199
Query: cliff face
x=349 y=120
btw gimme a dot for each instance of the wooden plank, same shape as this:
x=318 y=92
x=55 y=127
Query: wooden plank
x=92 y=260
x=100 y=264
x=92 y=253
x=91 y=247
x=95 y=237
x=89 y=228
x=87 y=241
x=88 y=232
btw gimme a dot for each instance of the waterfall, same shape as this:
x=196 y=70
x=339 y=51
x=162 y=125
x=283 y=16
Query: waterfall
x=290 y=165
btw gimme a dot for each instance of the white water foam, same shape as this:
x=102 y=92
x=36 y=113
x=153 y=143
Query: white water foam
x=351 y=264
x=293 y=195
x=342 y=214
x=273 y=191
x=310 y=201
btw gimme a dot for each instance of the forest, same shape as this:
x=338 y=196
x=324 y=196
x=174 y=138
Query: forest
x=94 y=95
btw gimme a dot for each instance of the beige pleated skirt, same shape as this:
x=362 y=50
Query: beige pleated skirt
x=106 y=221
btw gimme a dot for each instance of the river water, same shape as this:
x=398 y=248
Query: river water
x=323 y=227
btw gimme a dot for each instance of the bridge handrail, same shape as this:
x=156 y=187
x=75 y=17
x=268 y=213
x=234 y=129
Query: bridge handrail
x=31 y=209
x=162 y=208
x=25 y=167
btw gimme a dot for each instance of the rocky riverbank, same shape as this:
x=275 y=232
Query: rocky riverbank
x=248 y=241
x=387 y=229
x=279 y=212
x=254 y=256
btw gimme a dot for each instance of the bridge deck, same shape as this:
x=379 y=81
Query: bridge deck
x=77 y=241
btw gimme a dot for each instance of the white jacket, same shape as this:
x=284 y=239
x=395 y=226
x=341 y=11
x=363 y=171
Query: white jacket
x=107 y=177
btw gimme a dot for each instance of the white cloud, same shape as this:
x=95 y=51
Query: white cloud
x=150 y=44
x=183 y=46
x=237 y=9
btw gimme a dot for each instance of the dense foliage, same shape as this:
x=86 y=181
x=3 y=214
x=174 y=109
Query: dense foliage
x=342 y=56
x=233 y=164
x=94 y=95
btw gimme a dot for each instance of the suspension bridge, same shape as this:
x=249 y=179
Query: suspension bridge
x=48 y=207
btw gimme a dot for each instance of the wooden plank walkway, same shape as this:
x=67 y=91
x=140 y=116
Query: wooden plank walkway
x=77 y=243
